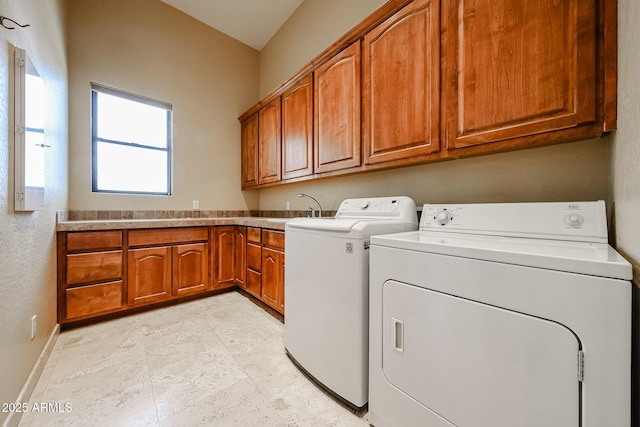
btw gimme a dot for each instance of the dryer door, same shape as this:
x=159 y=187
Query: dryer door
x=479 y=365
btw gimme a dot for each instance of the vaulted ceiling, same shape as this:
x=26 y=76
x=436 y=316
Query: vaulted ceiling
x=253 y=22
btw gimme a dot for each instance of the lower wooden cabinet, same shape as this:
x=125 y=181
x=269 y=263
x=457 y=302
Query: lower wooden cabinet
x=273 y=278
x=229 y=256
x=190 y=268
x=273 y=269
x=240 y=256
x=93 y=300
x=104 y=272
x=90 y=274
x=149 y=277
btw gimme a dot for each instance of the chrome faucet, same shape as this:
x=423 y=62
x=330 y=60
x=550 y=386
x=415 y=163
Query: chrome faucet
x=313 y=211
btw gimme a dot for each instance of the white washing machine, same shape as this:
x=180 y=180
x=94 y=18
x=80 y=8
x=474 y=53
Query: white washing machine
x=326 y=315
x=496 y=315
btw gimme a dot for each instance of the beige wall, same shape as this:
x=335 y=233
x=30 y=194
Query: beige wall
x=576 y=171
x=149 y=48
x=312 y=28
x=27 y=240
x=563 y=172
x=625 y=166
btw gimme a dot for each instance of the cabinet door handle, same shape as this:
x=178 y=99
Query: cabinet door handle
x=398 y=335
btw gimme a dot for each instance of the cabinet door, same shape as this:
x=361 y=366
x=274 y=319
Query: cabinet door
x=149 y=275
x=518 y=68
x=224 y=252
x=270 y=143
x=273 y=278
x=337 y=111
x=240 y=262
x=297 y=130
x=190 y=268
x=401 y=86
x=249 y=149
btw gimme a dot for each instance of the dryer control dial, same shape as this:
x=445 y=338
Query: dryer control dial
x=443 y=217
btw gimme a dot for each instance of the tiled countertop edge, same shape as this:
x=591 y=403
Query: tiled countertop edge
x=118 y=224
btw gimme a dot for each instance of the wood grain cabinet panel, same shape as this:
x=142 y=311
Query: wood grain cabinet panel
x=253 y=235
x=249 y=151
x=519 y=68
x=163 y=236
x=401 y=86
x=273 y=239
x=270 y=143
x=273 y=278
x=337 y=91
x=240 y=250
x=92 y=240
x=93 y=267
x=224 y=253
x=254 y=283
x=297 y=129
x=190 y=268
x=149 y=275
x=91 y=300
x=254 y=256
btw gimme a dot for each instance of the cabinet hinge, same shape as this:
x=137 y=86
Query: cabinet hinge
x=580 y=366
x=19 y=61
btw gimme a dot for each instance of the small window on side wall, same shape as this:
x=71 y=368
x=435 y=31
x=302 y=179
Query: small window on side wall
x=131 y=143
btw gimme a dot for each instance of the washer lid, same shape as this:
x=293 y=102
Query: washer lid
x=323 y=224
x=596 y=259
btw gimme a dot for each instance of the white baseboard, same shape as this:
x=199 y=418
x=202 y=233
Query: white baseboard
x=25 y=394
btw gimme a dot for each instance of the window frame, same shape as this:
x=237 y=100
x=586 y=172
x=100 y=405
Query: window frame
x=95 y=88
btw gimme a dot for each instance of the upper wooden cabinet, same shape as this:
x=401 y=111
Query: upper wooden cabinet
x=297 y=129
x=337 y=86
x=428 y=80
x=401 y=85
x=249 y=151
x=517 y=69
x=269 y=143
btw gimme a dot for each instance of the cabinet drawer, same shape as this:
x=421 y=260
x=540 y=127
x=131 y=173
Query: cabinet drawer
x=274 y=239
x=254 y=257
x=88 y=240
x=253 y=234
x=167 y=235
x=94 y=267
x=254 y=283
x=93 y=299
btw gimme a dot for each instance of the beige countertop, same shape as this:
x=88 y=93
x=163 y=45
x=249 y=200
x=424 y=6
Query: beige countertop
x=117 y=224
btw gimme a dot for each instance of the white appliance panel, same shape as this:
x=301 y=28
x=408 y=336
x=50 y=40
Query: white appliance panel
x=327 y=290
x=597 y=309
x=501 y=366
x=325 y=330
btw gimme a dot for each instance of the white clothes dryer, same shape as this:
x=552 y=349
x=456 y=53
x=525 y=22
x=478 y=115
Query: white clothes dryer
x=500 y=315
x=326 y=319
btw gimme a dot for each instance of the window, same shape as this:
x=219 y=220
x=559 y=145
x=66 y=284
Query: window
x=34 y=131
x=131 y=143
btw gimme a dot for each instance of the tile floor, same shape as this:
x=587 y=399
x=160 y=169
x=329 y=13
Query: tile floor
x=217 y=361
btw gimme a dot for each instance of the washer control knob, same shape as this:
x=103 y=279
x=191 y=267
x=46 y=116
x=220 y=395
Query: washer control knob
x=364 y=204
x=443 y=217
x=574 y=220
